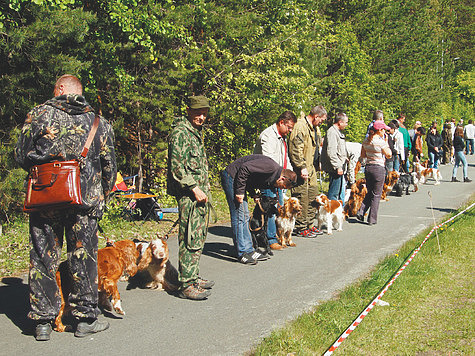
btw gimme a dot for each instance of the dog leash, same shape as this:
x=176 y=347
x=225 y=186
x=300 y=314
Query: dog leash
x=210 y=211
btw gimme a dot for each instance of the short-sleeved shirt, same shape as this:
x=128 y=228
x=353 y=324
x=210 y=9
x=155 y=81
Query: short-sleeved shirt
x=374 y=150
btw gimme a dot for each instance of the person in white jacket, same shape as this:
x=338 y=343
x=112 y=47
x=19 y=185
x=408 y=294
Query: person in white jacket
x=398 y=146
x=271 y=143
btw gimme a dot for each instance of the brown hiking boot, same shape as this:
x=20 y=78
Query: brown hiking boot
x=194 y=292
x=205 y=283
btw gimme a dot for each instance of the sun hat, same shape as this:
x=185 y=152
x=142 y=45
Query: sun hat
x=379 y=124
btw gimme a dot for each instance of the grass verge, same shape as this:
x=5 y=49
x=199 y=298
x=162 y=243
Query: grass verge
x=431 y=305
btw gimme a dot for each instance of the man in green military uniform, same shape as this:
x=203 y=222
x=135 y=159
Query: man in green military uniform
x=303 y=143
x=187 y=181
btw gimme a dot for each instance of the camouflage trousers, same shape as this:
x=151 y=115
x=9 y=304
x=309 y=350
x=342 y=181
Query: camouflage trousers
x=193 y=228
x=46 y=242
x=306 y=194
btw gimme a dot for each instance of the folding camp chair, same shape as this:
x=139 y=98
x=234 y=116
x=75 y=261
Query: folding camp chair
x=139 y=206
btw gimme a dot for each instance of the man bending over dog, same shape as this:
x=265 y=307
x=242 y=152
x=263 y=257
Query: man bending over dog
x=247 y=174
x=57 y=131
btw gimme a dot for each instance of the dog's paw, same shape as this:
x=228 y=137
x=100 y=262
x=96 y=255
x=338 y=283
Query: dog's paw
x=292 y=244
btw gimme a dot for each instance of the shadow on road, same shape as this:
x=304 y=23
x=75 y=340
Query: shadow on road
x=444 y=210
x=15 y=303
x=220 y=250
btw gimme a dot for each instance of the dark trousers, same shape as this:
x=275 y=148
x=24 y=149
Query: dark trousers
x=375 y=176
x=46 y=242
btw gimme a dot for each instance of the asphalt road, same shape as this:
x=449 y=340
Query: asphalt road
x=247 y=302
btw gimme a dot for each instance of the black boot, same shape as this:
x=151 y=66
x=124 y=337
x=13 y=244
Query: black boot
x=88 y=327
x=43 y=331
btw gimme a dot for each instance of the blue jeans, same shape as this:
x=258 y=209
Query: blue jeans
x=460 y=158
x=434 y=159
x=239 y=212
x=336 y=189
x=469 y=144
x=396 y=163
x=271 y=228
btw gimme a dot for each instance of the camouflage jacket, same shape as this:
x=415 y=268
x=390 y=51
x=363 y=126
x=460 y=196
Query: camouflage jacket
x=57 y=131
x=187 y=161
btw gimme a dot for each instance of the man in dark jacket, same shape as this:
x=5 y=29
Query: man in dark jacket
x=434 y=146
x=247 y=174
x=57 y=131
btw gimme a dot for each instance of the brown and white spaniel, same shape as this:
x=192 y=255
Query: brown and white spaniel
x=422 y=174
x=285 y=221
x=357 y=194
x=329 y=213
x=156 y=268
x=112 y=261
x=391 y=179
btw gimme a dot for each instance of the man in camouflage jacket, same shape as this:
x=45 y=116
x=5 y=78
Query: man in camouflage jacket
x=57 y=131
x=187 y=181
x=303 y=143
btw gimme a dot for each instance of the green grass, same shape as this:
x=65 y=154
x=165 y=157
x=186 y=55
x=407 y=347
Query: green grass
x=431 y=305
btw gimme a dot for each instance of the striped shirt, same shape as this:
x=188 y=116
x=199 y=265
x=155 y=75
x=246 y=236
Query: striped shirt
x=374 y=150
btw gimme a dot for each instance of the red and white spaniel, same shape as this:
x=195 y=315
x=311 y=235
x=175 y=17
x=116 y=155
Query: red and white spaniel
x=357 y=194
x=112 y=261
x=330 y=213
x=285 y=221
x=389 y=182
x=423 y=174
x=155 y=263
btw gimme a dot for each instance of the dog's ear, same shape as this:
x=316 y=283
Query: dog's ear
x=145 y=258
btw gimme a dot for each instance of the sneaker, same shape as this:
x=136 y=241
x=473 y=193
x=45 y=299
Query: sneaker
x=247 y=259
x=306 y=233
x=455 y=179
x=204 y=283
x=467 y=180
x=194 y=292
x=85 y=329
x=259 y=256
x=316 y=231
x=43 y=332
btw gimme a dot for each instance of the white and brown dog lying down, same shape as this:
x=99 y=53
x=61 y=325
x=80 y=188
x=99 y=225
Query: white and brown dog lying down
x=158 y=272
x=329 y=213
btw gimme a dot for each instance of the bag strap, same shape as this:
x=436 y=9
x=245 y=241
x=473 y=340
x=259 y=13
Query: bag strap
x=92 y=133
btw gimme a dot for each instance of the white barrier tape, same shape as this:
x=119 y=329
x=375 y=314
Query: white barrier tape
x=371 y=305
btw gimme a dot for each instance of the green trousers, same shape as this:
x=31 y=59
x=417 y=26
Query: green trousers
x=306 y=193
x=193 y=228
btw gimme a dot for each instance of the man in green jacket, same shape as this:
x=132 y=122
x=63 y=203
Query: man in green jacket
x=302 y=145
x=187 y=181
x=407 y=141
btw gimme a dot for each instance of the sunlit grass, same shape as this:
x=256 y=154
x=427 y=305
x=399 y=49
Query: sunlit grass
x=431 y=305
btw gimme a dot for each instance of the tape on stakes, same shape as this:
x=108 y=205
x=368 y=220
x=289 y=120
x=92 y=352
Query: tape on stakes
x=371 y=305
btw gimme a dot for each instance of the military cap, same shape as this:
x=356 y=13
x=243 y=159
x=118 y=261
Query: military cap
x=198 y=102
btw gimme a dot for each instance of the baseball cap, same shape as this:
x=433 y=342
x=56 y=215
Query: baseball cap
x=198 y=102
x=418 y=123
x=379 y=124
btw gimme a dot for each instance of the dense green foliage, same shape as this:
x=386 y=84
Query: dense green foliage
x=139 y=60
